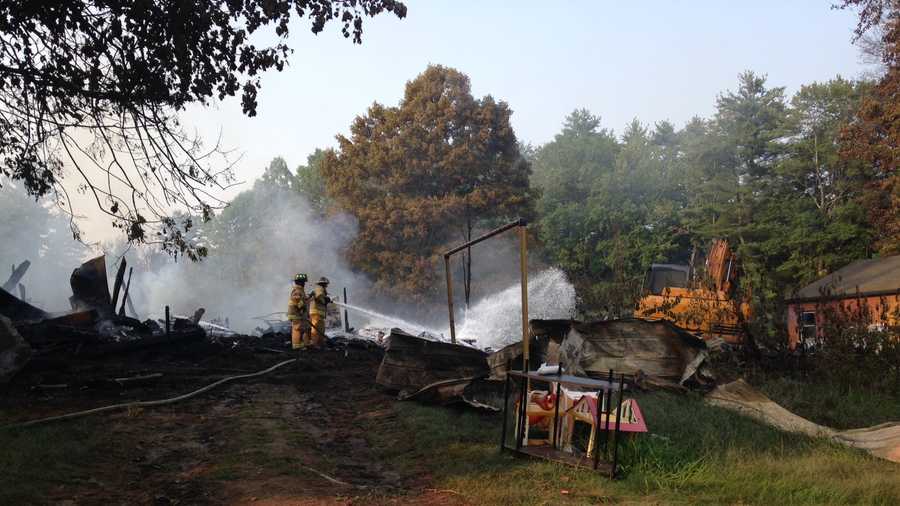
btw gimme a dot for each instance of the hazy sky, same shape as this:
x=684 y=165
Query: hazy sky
x=653 y=60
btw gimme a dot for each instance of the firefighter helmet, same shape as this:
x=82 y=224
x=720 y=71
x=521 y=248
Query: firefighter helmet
x=300 y=278
x=322 y=281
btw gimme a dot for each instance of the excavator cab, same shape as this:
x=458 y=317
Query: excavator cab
x=662 y=276
x=702 y=303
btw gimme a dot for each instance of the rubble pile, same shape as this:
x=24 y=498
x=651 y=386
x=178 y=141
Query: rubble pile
x=654 y=354
x=95 y=325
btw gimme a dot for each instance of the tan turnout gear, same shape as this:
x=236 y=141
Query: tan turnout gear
x=318 y=306
x=298 y=314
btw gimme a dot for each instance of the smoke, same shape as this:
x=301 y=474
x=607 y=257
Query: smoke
x=39 y=232
x=496 y=320
x=256 y=246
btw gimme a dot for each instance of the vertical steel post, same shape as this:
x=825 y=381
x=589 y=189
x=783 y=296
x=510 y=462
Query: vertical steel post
x=556 y=417
x=346 y=320
x=615 y=458
x=523 y=261
x=450 y=298
x=521 y=414
x=608 y=408
x=597 y=429
x=505 y=406
x=168 y=327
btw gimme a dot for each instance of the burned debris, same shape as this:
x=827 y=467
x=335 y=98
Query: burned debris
x=17 y=273
x=95 y=325
x=14 y=351
x=411 y=363
x=653 y=354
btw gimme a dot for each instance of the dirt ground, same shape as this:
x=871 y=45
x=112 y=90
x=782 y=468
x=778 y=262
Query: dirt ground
x=297 y=436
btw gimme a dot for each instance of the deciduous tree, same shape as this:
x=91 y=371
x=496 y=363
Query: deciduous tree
x=875 y=135
x=425 y=174
x=96 y=85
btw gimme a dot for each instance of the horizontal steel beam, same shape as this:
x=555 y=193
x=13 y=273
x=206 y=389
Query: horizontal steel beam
x=521 y=222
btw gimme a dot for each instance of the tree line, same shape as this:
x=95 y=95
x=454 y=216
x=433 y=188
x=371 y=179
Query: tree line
x=800 y=185
x=779 y=176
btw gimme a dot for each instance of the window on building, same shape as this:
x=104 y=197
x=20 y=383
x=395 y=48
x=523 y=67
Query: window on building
x=808 y=327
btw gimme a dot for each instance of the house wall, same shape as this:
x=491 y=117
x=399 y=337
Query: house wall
x=878 y=310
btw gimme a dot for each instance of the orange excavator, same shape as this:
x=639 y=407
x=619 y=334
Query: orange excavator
x=704 y=303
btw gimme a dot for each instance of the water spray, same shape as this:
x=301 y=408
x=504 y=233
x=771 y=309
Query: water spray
x=403 y=324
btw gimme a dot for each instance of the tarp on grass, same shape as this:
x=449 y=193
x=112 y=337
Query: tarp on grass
x=882 y=441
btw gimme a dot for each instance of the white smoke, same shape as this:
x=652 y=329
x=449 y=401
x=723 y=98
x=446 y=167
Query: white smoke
x=256 y=248
x=496 y=320
x=37 y=231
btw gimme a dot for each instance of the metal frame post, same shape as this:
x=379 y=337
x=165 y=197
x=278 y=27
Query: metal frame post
x=346 y=319
x=597 y=429
x=523 y=266
x=450 y=297
x=505 y=405
x=615 y=458
x=522 y=414
x=556 y=408
x=523 y=259
x=608 y=409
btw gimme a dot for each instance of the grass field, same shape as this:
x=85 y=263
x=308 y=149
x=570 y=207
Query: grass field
x=695 y=454
x=830 y=404
x=38 y=459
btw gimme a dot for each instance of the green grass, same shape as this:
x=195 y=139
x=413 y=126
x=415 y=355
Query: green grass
x=34 y=460
x=826 y=403
x=695 y=454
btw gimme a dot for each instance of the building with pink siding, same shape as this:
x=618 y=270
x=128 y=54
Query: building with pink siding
x=865 y=289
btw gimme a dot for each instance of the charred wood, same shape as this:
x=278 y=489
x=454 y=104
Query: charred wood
x=16 y=275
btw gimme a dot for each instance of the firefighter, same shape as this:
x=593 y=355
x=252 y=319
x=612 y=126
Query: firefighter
x=318 y=305
x=298 y=313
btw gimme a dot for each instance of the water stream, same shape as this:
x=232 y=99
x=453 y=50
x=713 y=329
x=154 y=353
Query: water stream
x=496 y=320
x=392 y=320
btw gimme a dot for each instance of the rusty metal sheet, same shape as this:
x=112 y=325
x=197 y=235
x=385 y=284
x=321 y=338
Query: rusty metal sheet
x=410 y=363
x=654 y=349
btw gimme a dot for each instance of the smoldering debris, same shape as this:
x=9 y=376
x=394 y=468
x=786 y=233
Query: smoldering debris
x=654 y=354
x=18 y=271
x=90 y=328
x=411 y=363
x=14 y=351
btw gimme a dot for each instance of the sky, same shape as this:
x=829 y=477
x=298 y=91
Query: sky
x=651 y=60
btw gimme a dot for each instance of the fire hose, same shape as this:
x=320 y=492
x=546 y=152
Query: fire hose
x=142 y=404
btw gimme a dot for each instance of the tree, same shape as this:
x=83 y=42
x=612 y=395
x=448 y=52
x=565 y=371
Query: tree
x=825 y=226
x=733 y=187
x=732 y=159
x=608 y=208
x=277 y=174
x=425 y=174
x=311 y=182
x=566 y=167
x=874 y=137
x=96 y=85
